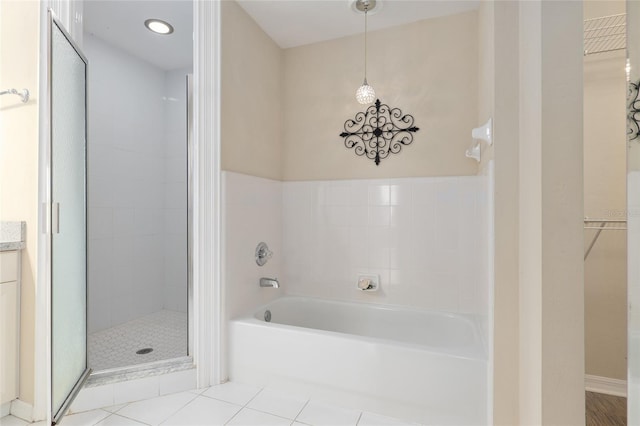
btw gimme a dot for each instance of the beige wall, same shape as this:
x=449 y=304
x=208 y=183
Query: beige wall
x=283 y=110
x=605 y=197
x=551 y=210
x=533 y=86
x=19 y=23
x=503 y=80
x=486 y=72
x=251 y=114
x=410 y=68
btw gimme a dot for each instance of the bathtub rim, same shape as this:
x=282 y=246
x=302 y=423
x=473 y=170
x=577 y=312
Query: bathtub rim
x=249 y=318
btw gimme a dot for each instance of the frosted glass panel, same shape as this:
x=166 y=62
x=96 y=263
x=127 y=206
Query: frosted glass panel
x=69 y=275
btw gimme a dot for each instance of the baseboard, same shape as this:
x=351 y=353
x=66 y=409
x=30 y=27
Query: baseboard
x=605 y=385
x=5 y=409
x=22 y=410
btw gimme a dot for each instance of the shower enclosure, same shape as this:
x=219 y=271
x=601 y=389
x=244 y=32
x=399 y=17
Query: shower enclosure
x=138 y=270
x=67 y=220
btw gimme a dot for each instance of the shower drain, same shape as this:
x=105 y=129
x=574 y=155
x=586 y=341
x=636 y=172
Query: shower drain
x=144 y=351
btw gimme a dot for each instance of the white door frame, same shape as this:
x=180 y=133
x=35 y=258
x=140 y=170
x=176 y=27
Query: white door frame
x=207 y=286
x=207 y=227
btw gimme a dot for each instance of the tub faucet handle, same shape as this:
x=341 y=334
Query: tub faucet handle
x=263 y=253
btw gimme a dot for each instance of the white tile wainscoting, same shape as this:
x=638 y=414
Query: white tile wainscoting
x=422 y=236
x=425 y=237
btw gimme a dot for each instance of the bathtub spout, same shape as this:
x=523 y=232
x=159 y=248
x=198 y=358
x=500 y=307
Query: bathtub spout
x=269 y=282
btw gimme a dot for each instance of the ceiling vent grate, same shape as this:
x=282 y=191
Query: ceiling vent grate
x=605 y=34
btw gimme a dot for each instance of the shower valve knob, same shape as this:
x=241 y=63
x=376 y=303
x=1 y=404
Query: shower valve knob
x=263 y=253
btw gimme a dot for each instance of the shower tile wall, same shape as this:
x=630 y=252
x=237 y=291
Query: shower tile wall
x=252 y=212
x=133 y=196
x=427 y=238
x=424 y=236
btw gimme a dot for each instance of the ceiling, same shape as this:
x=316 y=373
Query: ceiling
x=289 y=23
x=293 y=23
x=121 y=24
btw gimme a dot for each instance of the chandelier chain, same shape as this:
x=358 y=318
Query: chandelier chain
x=365 y=45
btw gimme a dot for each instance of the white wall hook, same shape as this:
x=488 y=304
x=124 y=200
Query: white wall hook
x=484 y=132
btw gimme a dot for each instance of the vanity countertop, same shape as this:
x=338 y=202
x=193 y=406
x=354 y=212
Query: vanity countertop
x=12 y=235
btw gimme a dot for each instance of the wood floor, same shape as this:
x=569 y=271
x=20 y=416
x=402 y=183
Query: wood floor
x=605 y=410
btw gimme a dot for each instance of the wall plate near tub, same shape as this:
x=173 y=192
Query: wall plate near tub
x=368 y=282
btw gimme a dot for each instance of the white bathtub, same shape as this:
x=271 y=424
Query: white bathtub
x=412 y=364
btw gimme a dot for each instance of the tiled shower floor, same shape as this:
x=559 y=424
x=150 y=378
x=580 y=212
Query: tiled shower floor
x=163 y=331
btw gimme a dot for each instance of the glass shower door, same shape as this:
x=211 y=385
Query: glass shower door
x=68 y=68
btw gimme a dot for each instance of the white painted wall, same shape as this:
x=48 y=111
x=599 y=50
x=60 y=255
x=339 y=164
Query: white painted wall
x=19 y=161
x=137 y=183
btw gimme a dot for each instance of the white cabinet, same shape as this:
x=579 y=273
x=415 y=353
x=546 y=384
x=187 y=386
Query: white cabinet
x=9 y=325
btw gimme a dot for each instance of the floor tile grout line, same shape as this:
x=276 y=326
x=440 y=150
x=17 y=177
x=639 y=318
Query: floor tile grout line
x=234 y=416
x=242 y=407
x=267 y=412
x=101 y=420
x=228 y=402
x=174 y=413
x=253 y=397
x=295 y=419
x=125 y=404
x=184 y=405
x=120 y=415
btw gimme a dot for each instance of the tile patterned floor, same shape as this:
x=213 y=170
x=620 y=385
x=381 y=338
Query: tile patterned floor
x=164 y=331
x=228 y=404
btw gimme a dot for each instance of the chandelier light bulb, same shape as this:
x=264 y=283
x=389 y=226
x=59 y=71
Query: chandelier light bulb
x=365 y=94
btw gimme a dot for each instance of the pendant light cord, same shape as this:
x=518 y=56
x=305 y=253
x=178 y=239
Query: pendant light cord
x=365 y=45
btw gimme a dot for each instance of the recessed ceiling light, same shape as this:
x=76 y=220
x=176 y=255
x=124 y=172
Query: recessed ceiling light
x=158 y=26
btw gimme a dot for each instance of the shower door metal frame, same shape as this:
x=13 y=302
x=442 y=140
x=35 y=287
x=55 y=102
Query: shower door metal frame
x=190 y=236
x=52 y=214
